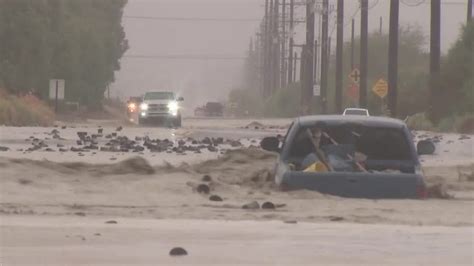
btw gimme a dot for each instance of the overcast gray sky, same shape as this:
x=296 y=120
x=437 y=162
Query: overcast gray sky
x=199 y=81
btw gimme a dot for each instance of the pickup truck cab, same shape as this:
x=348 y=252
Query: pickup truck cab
x=161 y=106
x=356 y=111
x=387 y=167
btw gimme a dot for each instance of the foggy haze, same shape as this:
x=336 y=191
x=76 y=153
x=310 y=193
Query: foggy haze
x=206 y=80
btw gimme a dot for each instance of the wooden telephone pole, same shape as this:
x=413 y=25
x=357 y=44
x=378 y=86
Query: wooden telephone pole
x=339 y=54
x=393 y=58
x=364 y=28
x=308 y=58
x=324 y=56
x=290 y=52
x=435 y=58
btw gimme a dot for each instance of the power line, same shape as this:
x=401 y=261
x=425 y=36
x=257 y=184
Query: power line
x=415 y=3
x=186 y=57
x=193 y=19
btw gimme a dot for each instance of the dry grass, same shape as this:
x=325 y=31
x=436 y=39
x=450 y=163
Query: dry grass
x=24 y=111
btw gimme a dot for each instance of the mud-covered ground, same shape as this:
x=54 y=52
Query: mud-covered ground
x=168 y=181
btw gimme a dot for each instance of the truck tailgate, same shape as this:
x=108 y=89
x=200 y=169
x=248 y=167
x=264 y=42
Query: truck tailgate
x=357 y=185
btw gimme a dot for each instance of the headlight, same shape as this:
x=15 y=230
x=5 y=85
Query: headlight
x=173 y=107
x=144 y=106
x=132 y=105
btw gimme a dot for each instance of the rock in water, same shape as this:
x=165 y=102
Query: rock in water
x=178 y=251
x=268 y=205
x=251 y=206
x=336 y=218
x=425 y=147
x=119 y=128
x=203 y=188
x=206 y=178
x=215 y=198
x=111 y=222
x=4 y=148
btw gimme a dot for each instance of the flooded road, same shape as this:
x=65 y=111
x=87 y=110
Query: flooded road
x=58 y=189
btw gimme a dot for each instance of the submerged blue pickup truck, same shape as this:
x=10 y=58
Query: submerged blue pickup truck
x=348 y=156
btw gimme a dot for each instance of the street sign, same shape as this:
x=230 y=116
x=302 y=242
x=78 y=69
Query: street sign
x=353 y=91
x=56 y=89
x=380 y=88
x=355 y=75
x=316 y=90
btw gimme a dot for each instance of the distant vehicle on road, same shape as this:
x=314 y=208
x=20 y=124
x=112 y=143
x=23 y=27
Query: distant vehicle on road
x=349 y=156
x=215 y=109
x=133 y=105
x=356 y=111
x=160 y=106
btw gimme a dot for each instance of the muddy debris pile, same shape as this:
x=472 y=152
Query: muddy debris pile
x=254 y=125
x=114 y=142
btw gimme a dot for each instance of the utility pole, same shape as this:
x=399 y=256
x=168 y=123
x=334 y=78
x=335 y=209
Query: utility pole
x=295 y=63
x=271 y=61
x=469 y=10
x=435 y=58
x=364 y=6
x=393 y=58
x=302 y=71
x=352 y=44
x=324 y=56
x=290 y=52
x=380 y=26
x=283 y=45
x=315 y=72
x=261 y=56
x=265 y=51
x=308 y=58
x=276 y=47
x=266 y=54
x=339 y=55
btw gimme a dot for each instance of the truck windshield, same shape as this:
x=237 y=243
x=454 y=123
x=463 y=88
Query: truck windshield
x=160 y=95
x=372 y=143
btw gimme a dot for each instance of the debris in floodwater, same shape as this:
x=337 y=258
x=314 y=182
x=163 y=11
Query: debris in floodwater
x=335 y=218
x=215 y=198
x=178 y=251
x=268 y=205
x=206 y=178
x=4 y=148
x=203 y=188
x=251 y=206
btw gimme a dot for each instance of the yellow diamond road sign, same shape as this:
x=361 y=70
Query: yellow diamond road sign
x=381 y=88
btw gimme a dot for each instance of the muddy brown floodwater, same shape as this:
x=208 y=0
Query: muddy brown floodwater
x=54 y=205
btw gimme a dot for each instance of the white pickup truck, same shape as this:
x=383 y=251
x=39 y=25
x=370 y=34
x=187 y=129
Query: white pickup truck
x=160 y=106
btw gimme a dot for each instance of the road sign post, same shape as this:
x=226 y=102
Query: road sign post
x=56 y=91
x=316 y=90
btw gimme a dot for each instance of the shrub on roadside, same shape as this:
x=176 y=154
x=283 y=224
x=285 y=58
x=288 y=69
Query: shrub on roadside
x=463 y=124
x=24 y=111
x=420 y=122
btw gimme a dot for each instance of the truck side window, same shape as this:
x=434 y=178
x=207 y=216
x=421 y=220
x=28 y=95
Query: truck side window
x=286 y=135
